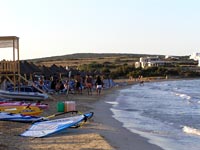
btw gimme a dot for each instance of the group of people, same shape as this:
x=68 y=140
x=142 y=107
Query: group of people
x=89 y=84
x=75 y=85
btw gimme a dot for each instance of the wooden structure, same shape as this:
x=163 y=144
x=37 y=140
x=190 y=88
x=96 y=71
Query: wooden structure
x=10 y=69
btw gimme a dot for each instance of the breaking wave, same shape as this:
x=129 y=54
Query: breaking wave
x=191 y=130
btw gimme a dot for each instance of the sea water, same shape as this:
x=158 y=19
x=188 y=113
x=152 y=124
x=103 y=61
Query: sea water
x=167 y=113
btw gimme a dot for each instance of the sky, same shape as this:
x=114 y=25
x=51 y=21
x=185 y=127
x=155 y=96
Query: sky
x=60 y=27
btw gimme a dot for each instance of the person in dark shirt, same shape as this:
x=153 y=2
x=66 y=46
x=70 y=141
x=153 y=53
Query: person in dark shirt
x=99 y=85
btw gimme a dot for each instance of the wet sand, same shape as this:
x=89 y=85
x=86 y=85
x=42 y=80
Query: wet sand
x=117 y=136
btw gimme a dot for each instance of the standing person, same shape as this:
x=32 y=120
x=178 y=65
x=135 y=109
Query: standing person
x=41 y=83
x=99 y=85
x=141 y=80
x=58 y=85
x=79 y=84
x=89 y=84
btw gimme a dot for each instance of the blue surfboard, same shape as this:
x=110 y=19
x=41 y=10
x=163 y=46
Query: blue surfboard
x=18 y=117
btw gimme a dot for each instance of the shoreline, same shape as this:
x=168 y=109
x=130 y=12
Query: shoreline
x=113 y=131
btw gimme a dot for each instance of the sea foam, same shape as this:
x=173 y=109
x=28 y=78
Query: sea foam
x=191 y=130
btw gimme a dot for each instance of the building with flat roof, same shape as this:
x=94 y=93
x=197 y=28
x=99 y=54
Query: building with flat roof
x=150 y=62
x=196 y=57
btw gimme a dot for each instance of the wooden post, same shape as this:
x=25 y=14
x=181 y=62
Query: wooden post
x=14 y=76
x=18 y=61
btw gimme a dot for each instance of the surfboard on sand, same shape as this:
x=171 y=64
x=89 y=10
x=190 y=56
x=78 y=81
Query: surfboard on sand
x=5 y=116
x=23 y=95
x=25 y=110
x=19 y=103
x=46 y=128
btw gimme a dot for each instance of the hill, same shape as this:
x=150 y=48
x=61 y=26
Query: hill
x=86 y=58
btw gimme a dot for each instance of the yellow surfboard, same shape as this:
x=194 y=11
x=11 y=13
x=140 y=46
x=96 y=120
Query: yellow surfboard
x=25 y=110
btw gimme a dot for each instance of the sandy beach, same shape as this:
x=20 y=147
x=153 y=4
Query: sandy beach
x=102 y=132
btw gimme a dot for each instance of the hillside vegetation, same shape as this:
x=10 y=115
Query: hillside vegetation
x=87 y=58
x=120 y=65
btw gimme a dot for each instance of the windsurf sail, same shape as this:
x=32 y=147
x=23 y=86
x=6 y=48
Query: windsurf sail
x=45 y=128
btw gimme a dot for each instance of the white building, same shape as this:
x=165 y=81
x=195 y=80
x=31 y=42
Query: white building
x=149 y=62
x=196 y=56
